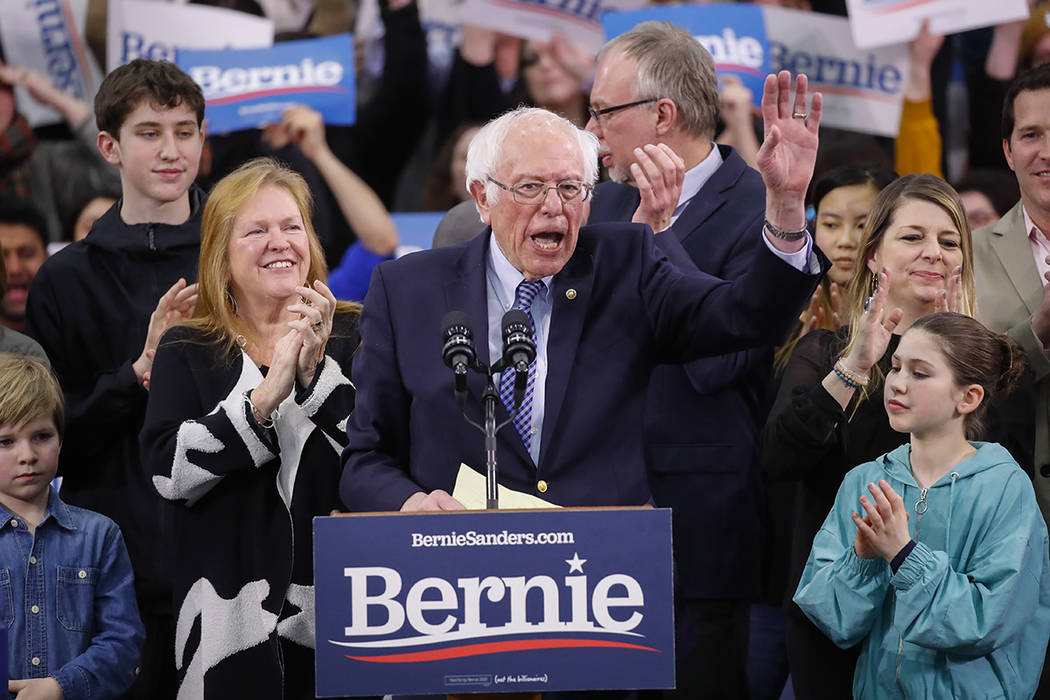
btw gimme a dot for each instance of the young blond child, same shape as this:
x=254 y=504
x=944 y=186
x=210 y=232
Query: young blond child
x=945 y=581
x=67 y=597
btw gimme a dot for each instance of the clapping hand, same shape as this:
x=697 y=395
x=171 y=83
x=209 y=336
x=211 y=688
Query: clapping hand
x=952 y=298
x=883 y=532
x=317 y=313
x=875 y=330
x=175 y=305
x=813 y=317
x=280 y=379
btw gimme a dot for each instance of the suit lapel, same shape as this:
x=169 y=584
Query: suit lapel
x=563 y=338
x=710 y=197
x=467 y=292
x=1010 y=242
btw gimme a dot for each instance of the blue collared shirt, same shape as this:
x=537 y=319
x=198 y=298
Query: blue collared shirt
x=67 y=601
x=502 y=281
x=695 y=178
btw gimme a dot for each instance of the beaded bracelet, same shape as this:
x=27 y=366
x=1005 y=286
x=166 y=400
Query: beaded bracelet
x=851 y=378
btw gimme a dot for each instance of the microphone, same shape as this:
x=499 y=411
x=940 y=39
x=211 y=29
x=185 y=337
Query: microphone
x=458 y=351
x=519 y=349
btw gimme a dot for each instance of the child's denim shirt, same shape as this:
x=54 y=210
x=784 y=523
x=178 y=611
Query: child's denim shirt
x=67 y=601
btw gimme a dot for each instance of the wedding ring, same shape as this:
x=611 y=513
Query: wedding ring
x=799 y=115
x=317 y=326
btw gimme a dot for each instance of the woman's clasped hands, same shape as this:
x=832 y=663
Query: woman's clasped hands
x=297 y=354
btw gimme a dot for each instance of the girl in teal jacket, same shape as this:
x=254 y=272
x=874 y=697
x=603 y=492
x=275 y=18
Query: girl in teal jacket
x=945 y=579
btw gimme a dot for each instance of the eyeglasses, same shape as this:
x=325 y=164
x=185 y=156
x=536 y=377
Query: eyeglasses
x=596 y=113
x=533 y=192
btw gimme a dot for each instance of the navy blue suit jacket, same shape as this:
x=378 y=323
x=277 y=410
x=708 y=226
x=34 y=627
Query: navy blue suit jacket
x=629 y=310
x=702 y=419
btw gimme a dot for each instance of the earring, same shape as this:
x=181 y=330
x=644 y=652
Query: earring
x=231 y=301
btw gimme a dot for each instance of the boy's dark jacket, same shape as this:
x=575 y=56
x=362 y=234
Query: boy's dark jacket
x=89 y=307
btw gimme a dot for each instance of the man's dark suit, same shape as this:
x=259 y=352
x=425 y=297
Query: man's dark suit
x=702 y=419
x=702 y=422
x=619 y=308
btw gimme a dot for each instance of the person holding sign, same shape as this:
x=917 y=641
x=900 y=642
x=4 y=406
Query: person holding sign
x=654 y=108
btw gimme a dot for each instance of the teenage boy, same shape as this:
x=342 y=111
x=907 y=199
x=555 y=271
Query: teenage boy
x=75 y=632
x=99 y=308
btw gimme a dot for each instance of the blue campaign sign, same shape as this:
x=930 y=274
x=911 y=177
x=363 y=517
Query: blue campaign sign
x=734 y=34
x=249 y=88
x=495 y=601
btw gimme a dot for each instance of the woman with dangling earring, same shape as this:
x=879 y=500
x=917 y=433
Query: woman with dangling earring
x=245 y=423
x=828 y=415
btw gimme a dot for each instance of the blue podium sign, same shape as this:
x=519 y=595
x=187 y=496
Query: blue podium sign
x=496 y=601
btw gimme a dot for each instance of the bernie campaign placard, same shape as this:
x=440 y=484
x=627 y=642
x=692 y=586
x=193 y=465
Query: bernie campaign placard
x=249 y=88
x=493 y=601
x=863 y=89
x=48 y=36
x=155 y=30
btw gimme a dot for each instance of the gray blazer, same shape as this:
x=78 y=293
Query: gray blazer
x=1009 y=291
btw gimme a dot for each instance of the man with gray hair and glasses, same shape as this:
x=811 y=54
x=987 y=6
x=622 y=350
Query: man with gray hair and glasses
x=654 y=108
x=605 y=304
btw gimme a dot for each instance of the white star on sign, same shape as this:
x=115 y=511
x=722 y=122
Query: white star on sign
x=575 y=564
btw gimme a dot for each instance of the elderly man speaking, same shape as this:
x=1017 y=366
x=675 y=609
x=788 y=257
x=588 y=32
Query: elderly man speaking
x=606 y=304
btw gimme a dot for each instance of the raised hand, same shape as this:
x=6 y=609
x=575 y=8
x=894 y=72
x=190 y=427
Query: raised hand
x=658 y=174
x=875 y=330
x=175 y=305
x=884 y=530
x=789 y=153
x=314 y=326
x=576 y=62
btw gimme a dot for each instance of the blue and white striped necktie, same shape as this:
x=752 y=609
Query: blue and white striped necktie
x=527 y=291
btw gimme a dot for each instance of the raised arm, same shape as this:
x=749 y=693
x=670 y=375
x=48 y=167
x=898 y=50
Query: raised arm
x=361 y=207
x=788 y=155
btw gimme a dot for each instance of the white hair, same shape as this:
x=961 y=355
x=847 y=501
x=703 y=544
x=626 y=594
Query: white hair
x=486 y=147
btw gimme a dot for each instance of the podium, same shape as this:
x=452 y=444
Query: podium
x=493 y=601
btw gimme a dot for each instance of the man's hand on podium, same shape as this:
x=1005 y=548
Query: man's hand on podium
x=435 y=500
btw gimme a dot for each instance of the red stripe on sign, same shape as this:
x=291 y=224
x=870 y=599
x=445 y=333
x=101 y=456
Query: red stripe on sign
x=270 y=93
x=736 y=68
x=494 y=648
x=553 y=12
x=852 y=92
x=898 y=8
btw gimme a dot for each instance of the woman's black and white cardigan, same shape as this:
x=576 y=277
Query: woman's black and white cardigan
x=245 y=498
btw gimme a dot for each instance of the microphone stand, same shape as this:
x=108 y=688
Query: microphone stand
x=489 y=399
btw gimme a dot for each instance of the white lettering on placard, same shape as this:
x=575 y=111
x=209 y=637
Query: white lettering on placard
x=615 y=591
x=727 y=47
x=216 y=82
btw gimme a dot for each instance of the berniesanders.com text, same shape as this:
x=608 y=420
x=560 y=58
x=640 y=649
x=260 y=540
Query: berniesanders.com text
x=472 y=538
